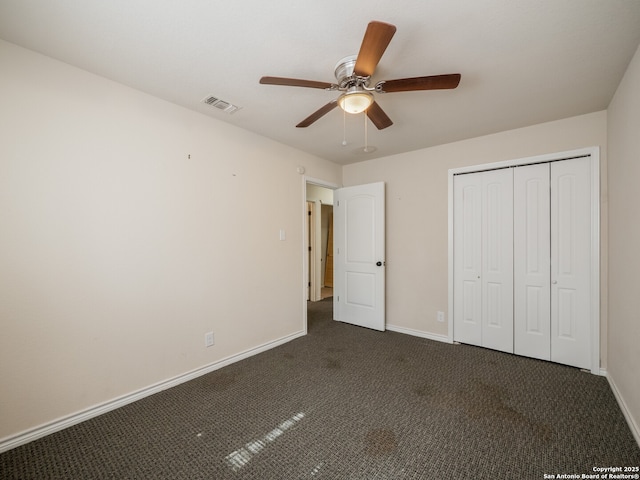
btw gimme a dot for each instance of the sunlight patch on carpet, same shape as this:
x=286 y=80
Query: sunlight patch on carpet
x=239 y=458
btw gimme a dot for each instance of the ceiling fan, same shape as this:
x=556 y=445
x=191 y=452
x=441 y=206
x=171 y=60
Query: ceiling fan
x=353 y=74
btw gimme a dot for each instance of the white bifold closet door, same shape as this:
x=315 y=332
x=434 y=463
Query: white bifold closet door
x=532 y=261
x=552 y=261
x=522 y=260
x=483 y=259
x=571 y=262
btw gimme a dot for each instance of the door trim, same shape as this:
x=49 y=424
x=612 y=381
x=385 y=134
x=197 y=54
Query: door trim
x=594 y=154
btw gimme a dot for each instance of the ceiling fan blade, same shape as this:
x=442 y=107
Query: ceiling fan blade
x=378 y=117
x=375 y=42
x=318 y=114
x=434 y=82
x=295 y=82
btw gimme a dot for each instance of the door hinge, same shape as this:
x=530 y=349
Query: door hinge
x=309 y=212
x=309 y=247
x=309 y=283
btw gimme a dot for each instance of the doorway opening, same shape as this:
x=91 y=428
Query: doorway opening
x=359 y=234
x=318 y=245
x=319 y=242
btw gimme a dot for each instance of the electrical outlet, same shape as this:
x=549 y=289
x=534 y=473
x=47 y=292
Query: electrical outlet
x=440 y=317
x=208 y=339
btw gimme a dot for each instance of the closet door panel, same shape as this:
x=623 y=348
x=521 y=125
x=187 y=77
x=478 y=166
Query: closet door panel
x=571 y=262
x=467 y=264
x=497 y=260
x=532 y=269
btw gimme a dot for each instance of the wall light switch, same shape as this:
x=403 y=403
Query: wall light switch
x=283 y=234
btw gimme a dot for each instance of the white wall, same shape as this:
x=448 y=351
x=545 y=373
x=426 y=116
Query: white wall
x=417 y=210
x=118 y=251
x=624 y=241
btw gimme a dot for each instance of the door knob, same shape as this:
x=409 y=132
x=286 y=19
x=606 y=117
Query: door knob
x=554 y=282
x=379 y=264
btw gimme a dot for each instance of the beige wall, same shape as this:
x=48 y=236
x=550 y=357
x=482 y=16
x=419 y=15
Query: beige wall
x=624 y=241
x=118 y=251
x=417 y=210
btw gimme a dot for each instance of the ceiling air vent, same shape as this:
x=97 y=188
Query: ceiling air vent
x=221 y=104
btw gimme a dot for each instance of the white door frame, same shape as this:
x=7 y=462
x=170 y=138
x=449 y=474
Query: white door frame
x=305 y=242
x=594 y=154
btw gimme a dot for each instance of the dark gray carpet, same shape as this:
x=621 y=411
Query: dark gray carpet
x=349 y=403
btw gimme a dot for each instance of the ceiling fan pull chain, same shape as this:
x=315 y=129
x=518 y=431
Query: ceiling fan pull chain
x=344 y=128
x=366 y=136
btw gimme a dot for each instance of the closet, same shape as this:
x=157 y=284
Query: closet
x=522 y=260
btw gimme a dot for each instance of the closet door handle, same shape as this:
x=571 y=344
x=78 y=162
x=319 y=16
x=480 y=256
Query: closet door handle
x=554 y=282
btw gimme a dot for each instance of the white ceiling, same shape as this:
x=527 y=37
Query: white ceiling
x=522 y=61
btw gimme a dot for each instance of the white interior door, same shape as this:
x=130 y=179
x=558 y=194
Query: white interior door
x=571 y=262
x=483 y=259
x=359 y=255
x=497 y=259
x=311 y=242
x=467 y=259
x=531 y=264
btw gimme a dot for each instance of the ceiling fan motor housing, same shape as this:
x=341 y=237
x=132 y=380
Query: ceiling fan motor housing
x=345 y=76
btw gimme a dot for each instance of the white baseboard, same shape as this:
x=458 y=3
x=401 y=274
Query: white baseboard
x=625 y=411
x=418 y=333
x=27 y=436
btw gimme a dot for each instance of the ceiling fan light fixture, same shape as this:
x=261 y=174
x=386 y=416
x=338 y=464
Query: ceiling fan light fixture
x=353 y=75
x=355 y=100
